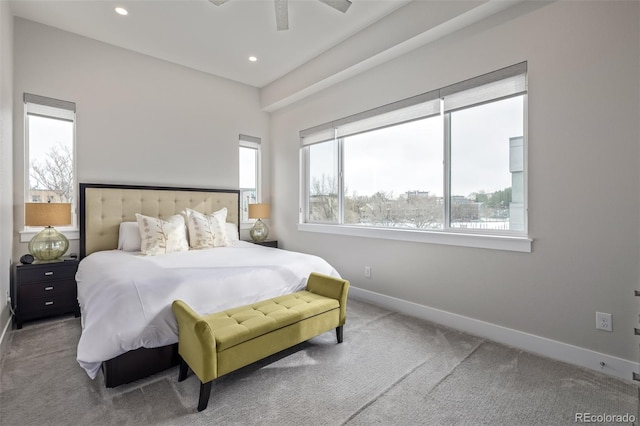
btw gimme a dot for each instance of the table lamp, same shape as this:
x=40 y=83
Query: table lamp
x=260 y=230
x=48 y=244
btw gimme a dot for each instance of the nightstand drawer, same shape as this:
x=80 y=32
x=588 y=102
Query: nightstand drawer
x=46 y=289
x=47 y=272
x=45 y=306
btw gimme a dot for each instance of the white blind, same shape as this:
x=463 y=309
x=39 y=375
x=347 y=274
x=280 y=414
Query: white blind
x=49 y=107
x=504 y=83
x=321 y=133
x=249 y=141
x=496 y=85
x=410 y=109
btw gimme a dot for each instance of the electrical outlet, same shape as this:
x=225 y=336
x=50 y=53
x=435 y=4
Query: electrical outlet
x=603 y=321
x=367 y=271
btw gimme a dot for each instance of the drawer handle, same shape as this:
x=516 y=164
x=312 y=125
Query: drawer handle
x=48 y=288
x=48 y=303
x=49 y=273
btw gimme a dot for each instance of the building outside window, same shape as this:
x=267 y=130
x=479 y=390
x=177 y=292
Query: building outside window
x=451 y=160
x=50 y=151
x=249 y=174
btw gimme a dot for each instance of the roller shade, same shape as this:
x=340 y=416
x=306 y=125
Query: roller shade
x=504 y=83
x=49 y=107
x=249 y=139
x=493 y=86
x=410 y=109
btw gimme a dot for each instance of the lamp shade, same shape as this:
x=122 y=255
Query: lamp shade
x=259 y=211
x=47 y=214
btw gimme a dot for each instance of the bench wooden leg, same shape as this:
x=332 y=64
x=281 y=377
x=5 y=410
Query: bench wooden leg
x=205 y=391
x=339 y=334
x=184 y=370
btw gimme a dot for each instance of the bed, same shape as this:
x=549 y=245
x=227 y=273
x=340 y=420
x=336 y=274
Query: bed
x=128 y=329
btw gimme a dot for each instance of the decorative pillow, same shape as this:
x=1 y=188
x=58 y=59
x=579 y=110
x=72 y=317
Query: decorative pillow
x=207 y=231
x=159 y=237
x=129 y=237
x=232 y=232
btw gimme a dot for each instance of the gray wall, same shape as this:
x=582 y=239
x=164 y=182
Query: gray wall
x=6 y=164
x=139 y=119
x=583 y=152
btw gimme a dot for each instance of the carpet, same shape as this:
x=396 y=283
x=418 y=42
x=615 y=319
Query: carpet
x=391 y=369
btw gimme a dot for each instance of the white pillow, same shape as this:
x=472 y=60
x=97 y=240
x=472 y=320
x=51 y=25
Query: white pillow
x=129 y=237
x=232 y=232
x=159 y=237
x=207 y=231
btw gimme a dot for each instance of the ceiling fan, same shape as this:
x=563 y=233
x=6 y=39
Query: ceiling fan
x=282 y=9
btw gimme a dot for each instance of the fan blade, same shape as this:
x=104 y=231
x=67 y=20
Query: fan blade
x=218 y=2
x=282 y=14
x=341 y=5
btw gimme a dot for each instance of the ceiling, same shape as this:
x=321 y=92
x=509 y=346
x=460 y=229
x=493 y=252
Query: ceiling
x=213 y=39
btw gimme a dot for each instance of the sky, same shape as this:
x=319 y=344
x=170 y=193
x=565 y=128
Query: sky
x=45 y=133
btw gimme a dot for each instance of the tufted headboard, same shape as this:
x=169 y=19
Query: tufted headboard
x=103 y=207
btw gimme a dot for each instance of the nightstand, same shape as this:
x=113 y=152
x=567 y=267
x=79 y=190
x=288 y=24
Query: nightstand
x=266 y=243
x=45 y=289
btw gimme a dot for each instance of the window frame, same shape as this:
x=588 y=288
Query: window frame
x=479 y=238
x=41 y=106
x=251 y=142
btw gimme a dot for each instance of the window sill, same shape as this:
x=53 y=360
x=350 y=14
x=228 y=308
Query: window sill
x=494 y=242
x=70 y=233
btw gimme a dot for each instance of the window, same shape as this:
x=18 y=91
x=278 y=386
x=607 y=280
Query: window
x=450 y=161
x=249 y=174
x=50 y=151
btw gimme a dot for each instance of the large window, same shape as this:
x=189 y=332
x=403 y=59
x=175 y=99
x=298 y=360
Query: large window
x=448 y=161
x=249 y=174
x=50 y=151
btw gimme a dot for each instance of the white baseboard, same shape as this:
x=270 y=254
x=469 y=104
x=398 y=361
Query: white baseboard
x=613 y=366
x=3 y=335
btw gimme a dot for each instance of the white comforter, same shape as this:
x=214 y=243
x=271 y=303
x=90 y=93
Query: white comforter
x=126 y=297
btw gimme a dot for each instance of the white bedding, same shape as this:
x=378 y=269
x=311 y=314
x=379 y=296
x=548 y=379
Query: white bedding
x=125 y=297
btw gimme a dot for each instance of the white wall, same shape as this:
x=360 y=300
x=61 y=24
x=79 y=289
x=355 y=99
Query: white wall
x=6 y=167
x=584 y=211
x=139 y=119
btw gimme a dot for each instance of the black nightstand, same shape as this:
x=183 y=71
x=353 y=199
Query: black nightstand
x=45 y=289
x=266 y=243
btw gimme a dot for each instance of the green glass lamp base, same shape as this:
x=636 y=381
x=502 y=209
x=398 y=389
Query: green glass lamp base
x=48 y=244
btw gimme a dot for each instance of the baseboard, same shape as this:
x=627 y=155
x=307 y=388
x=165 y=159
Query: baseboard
x=613 y=366
x=3 y=335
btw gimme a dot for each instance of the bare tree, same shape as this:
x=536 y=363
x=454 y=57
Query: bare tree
x=323 y=199
x=55 y=173
x=423 y=211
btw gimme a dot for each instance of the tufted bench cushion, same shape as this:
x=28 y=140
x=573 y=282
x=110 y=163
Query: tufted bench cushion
x=216 y=344
x=238 y=325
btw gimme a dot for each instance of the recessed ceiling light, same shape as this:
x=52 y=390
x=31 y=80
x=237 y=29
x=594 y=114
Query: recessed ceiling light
x=121 y=11
x=253 y=58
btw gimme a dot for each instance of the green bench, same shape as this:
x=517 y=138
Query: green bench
x=216 y=344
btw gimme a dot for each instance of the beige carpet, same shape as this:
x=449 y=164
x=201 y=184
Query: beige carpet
x=390 y=370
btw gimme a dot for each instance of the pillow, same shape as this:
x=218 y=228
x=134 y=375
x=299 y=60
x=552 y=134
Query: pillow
x=207 y=231
x=232 y=232
x=129 y=237
x=159 y=237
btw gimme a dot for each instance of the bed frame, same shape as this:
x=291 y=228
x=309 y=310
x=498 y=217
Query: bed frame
x=102 y=208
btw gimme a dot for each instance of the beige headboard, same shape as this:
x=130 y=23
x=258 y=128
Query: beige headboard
x=103 y=207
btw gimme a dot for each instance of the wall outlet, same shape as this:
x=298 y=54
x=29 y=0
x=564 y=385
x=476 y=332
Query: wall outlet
x=367 y=271
x=603 y=321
